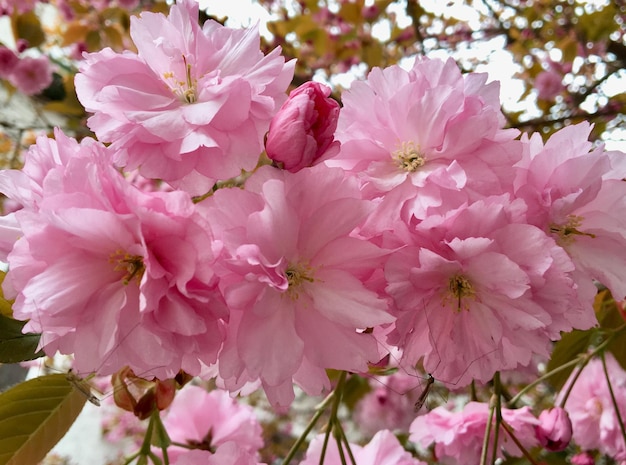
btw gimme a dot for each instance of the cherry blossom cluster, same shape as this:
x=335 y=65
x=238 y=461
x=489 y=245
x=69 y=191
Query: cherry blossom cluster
x=406 y=219
x=30 y=75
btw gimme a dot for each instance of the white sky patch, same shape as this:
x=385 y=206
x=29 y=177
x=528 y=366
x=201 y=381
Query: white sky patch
x=240 y=13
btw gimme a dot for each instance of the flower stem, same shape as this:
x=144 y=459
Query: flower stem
x=319 y=410
x=497 y=388
x=583 y=363
x=509 y=431
x=485 y=449
x=583 y=359
x=613 y=399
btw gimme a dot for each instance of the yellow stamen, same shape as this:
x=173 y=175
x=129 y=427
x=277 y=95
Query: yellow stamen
x=459 y=287
x=132 y=265
x=296 y=275
x=409 y=157
x=184 y=90
x=566 y=234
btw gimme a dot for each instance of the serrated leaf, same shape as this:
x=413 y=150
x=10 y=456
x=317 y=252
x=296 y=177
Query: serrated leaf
x=568 y=348
x=34 y=416
x=14 y=345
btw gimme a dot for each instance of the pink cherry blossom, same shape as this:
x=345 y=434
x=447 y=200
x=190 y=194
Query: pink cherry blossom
x=476 y=292
x=115 y=275
x=383 y=449
x=430 y=125
x=31 y=75
x=295 y=278
x=390 y=405
x=8 y=7
x=549 y=84
x=594 y=422
x=554 y=430
x=8 y=61
x=583 y=458
x=458 y=436
x=229 y=454
x=301 y=134
x=208 y=420
x=577 y=195
x=192 y=106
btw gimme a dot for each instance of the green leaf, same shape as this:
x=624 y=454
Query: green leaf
x=27 y=26
x=14 y=345
x=569 y=347
x=5 y=305
x=34 y=416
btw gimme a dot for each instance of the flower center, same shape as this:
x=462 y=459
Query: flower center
x=566 y=233
x=184 y=90
x=296 y=275
x=409 y=157
x=459 y=287
x=132 y=265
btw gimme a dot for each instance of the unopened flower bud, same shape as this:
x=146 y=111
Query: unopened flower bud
x=301 y=134
x=554 y=431
x=141 y=396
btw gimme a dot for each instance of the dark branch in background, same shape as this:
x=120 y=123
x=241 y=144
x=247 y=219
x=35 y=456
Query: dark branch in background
x=413 y=11
x=619 y=50
x=549 y=121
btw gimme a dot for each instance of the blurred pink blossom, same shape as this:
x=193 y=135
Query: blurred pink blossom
x=31 y=75
x=549 y=84
x=583 y=458
x=229 y=454
x=302 y=133
x=383 y=449
x=458 y=436
x=192 y=106
x=208 y=420
x=591 y=409
x=8 y=61
x=8 y=7
x=390 y=404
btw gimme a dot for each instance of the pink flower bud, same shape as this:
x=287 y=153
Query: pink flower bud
x=554 y=431
x=302 y=133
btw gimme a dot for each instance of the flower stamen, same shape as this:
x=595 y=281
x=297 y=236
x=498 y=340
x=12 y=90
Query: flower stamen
x=132 y=265
x=566 y=233
x=185 y=90
x=459 y=287
x=296 y=275
x=409 y=157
